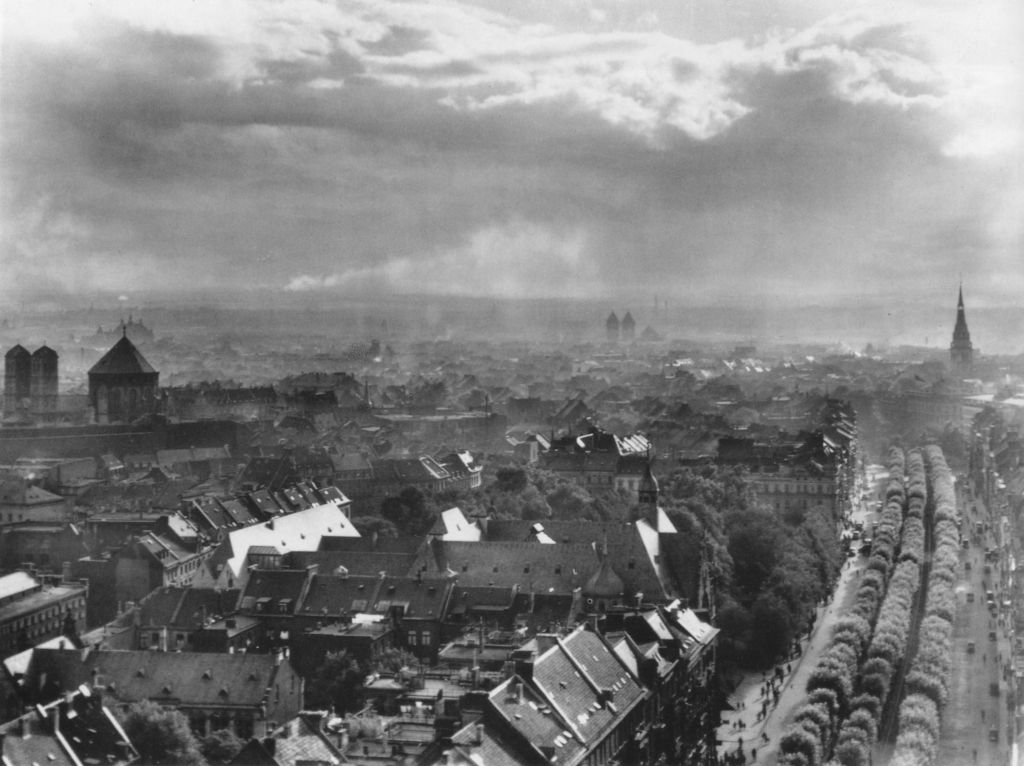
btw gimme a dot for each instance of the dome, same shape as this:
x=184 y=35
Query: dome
x=604 y=583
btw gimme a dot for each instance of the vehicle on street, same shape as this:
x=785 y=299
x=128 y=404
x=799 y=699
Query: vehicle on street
x=993 y=689
x=991 y=635
x=970 y=598
x=970 y=647
x=993 y=734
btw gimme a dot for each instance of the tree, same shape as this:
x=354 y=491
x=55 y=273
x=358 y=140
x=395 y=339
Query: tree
x=337 y=683
x=161 y=735
x=220 y=746
x=371 y=525
x=510 y=479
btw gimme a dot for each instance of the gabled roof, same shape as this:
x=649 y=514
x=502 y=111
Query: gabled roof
x=629 y=548
x=299 y=531
x=122 y=359
x=276 y=585
x=531 y=566
x=180 y=678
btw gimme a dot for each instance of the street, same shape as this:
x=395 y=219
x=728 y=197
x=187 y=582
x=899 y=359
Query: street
x=976 y=725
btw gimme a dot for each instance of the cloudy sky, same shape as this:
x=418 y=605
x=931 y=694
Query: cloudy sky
x=699 y=149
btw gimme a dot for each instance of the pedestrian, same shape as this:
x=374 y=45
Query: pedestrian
x=753 y=753
x=764 y=737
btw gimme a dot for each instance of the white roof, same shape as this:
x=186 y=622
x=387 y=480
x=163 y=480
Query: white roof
x=299 y=531
x=458 y=527
x=15 y=583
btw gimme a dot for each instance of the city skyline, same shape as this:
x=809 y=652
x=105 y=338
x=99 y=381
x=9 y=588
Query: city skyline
x=812 y=153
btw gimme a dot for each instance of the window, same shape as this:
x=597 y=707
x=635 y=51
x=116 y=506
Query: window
x=414 y=638
x=425 y=638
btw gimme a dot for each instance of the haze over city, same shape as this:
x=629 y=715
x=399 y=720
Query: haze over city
x=765 y=155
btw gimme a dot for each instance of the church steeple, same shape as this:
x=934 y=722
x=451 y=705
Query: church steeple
x=961 y=351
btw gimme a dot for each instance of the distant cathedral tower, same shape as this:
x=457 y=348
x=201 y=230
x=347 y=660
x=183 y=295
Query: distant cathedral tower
x=961 y=352
x=628 y=328
x=611 y=328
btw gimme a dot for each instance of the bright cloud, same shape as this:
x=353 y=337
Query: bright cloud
x=452 y=146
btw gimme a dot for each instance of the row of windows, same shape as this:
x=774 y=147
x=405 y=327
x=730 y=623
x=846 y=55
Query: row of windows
x=790 y=488
x=419 y=638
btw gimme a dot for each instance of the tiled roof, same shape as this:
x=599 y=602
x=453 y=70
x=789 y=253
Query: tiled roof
x=298 y=741
x=481 y=744
x=333 y=596
x=355 y=562
x=122 y=359
x=186 y=678
x=626 y=548
x=531 y=566
x=534 y=720
x=28 y=741
x=421 y=597
x=300 y=531
x=275 y=584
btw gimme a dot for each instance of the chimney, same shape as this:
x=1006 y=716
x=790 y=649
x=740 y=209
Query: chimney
x=65 y=572
x=478 y=731
x=519 y=692
x=523 y=660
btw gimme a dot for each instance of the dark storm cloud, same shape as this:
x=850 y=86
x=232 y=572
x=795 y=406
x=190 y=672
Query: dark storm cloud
x=406 y=157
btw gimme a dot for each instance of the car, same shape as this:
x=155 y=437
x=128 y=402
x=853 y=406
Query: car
x=970 y=598
x=993 y=734
x=970 y=647
x=967 y=566
x=966 y=544
x=993 y=689
x=987 y=569
x=991 y=635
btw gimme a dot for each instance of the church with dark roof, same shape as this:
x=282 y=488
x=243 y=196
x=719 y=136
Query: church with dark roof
x=122 y=384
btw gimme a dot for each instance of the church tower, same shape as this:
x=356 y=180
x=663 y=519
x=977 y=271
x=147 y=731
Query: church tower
x=611 y=328
x=961 y=352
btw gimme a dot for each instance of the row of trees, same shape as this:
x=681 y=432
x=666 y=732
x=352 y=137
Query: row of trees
x=830 y=688
x=927 y=682
x=859 y=732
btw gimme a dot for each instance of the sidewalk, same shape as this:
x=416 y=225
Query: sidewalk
x=741 y=734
